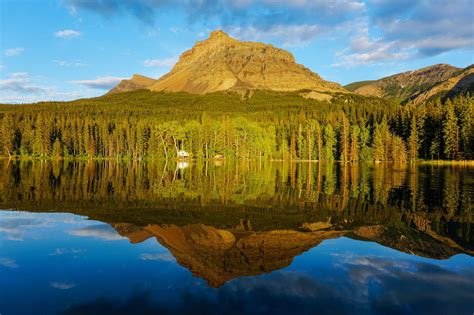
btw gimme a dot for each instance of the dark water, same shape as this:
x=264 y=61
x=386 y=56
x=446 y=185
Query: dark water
x=159 y=238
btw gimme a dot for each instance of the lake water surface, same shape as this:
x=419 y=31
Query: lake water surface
x=105 y=237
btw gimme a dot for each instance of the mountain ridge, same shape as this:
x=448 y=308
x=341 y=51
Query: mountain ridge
x=416 y=85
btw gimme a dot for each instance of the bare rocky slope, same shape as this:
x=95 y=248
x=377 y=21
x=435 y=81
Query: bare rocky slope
x=461 y=82
x=222 y=63
x=418 y=85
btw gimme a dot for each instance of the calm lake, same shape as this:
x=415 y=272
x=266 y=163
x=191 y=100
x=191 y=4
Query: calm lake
x=106 y=237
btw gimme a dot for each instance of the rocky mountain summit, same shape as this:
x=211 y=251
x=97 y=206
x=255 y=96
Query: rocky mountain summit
x=222 y=63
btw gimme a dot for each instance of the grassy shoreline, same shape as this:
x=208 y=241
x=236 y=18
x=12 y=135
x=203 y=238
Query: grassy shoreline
x=447 y=162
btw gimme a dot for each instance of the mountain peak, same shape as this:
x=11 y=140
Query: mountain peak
x=223 y=63
x=219 y=34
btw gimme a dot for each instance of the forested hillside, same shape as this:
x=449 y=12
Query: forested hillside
x=267 y=125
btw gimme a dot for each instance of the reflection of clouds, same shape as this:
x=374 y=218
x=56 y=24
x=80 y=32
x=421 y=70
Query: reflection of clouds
x=158 y=257
x=8 y=262
x=285 y=293
x=423 y=286
x=289 y=283
x=100 y=231
x=368 y=267
x=392 y=286
x=15 y=224
x=62 y=285
x=65 y=251
x=14 y=228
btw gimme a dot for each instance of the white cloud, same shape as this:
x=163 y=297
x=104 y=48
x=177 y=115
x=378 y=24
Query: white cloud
x=62 y=285
x=8 y=263
x=166 y=63
x=67 y=34
x=176 y=29
x=72 y=64
x=408 y=30
x=364 y=50
x=288 y=35
x=65 y=251
x=157 y=257
x=12 y=52
x=101 y=83
x=20 y=82
x=327 y=6
x=21 y=87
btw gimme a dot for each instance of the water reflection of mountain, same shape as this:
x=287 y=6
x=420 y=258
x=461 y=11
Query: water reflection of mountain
x=219 y=255
x=424 y=211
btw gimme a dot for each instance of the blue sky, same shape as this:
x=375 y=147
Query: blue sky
x=68 y=49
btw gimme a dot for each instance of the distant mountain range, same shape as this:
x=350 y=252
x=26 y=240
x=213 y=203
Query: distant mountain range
x=222 y=63
x=419 y=85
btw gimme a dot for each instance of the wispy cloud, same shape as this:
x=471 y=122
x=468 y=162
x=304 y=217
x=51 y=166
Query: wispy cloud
x=165 y=63
x=72 y=64
x=101 y=83
x=12 y=52
x=364 y=50
x=20 y=82
x=407 y=30
x=8 y=263
x=62 y=285
x=292 y=22
x=288 y=35
x=21 y=87
x=65 y=251
x=67 y=34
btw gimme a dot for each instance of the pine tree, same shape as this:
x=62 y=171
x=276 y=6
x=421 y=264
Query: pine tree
x=379 y=143
x=57 y=152
x=413 y=141
x=365 y=150
x=329 y=143
x=8 y=135
x=354 y=150
x=450 y=132
x=344 y=139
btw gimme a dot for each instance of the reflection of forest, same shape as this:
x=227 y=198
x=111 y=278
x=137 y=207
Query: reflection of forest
x=426 y=211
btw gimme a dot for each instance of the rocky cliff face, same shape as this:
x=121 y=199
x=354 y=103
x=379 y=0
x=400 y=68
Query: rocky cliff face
x=222 y=63
x=408 y=85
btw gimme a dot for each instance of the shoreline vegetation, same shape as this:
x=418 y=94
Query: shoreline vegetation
x=469 y=163
x=285 y=126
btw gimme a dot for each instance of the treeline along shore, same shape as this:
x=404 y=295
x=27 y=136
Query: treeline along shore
x=259 y=125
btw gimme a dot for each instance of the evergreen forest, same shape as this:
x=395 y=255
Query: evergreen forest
x=259 y=125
